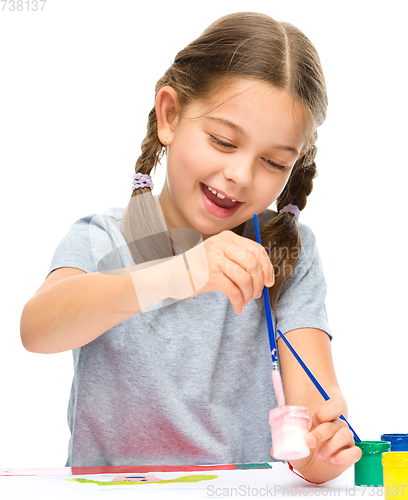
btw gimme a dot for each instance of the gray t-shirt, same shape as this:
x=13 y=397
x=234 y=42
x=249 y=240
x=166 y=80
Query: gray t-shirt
x=188 y=383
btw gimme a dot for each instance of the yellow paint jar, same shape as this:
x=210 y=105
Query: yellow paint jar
x=395 y=467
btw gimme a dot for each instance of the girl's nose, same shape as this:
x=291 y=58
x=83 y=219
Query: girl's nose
x=240 y=171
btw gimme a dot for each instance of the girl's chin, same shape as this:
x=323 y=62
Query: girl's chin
x=211 y=229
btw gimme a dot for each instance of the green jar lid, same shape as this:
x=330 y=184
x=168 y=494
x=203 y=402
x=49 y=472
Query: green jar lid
x=374 y=447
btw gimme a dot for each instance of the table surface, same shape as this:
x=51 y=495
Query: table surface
x=273 y=480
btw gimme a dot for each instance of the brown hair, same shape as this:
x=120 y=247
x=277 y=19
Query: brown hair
x=249 y=45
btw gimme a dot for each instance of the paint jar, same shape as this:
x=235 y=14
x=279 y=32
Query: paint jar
x=395 y=465
x=289 y=427
x=368 y=471
x=399 y=442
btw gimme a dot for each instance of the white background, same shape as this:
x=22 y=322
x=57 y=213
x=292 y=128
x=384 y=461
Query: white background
x=77 y=83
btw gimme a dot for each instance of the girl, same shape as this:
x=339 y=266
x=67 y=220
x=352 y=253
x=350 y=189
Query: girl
x=179 y=372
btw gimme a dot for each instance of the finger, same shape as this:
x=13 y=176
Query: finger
x=321 y=434
x=224 y=285
x=348 y=457
x=265 y=262
x=260 y=253
x=240 y=277
x=341 y=440
x=328 y=412
x=247 y=261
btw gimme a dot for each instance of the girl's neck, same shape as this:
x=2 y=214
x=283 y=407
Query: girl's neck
x=239 y=230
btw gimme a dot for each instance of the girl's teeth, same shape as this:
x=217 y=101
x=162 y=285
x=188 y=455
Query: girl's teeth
x=218 y=194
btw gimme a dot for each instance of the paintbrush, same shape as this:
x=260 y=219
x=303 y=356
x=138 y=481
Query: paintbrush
x=276 y=376
x=313 y=379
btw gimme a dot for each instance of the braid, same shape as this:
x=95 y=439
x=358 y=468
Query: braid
x=152 y=148
x=282 y=233
x=300 y=183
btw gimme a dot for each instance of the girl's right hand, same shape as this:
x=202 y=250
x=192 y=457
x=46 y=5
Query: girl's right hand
x=236 y=266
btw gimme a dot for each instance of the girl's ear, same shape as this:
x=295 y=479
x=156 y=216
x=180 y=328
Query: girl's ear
x=167 y=110
x=302 y=152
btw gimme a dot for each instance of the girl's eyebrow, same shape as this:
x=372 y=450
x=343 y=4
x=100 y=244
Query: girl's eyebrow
x=241 y=131
x=229 y=124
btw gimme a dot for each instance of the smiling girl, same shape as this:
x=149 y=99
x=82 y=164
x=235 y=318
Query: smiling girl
x=179 y=372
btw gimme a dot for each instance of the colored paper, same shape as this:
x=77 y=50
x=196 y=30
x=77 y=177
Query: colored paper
x=219 y=481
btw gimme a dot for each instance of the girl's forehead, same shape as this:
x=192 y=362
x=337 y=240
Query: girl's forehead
x=246 y=99
x=236 y=91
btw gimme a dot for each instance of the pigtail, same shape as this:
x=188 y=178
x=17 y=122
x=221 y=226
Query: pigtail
x=152 y=149
x=281 y=236
x=143 y=227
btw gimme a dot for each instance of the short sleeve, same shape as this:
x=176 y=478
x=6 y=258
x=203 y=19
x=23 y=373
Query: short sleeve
x=302 y=305
x=90 y=245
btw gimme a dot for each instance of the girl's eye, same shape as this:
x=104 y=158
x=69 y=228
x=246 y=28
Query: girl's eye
x=221 y=144
x=227 y=145
x=275 y=165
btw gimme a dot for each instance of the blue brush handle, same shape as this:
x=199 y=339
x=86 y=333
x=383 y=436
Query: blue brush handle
x=313 y=379
x=272 y=340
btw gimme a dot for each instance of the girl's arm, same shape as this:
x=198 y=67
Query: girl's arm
x=72 y=308
x=331 y=442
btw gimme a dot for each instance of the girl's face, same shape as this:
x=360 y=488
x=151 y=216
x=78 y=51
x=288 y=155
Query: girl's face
x=243 y=144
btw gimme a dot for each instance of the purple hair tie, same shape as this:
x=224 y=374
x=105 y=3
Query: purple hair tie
x=141 y=181
x=291 y=209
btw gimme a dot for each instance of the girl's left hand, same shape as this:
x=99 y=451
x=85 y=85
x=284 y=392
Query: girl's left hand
x=331 y=443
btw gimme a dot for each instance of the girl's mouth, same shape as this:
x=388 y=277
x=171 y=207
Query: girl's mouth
x=220 y=207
